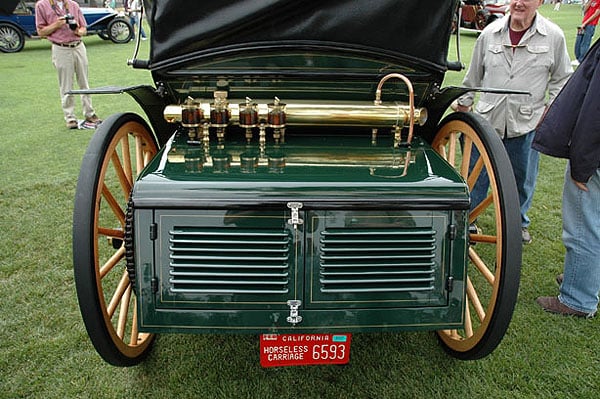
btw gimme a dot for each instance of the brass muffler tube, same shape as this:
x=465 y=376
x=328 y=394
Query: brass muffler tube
x=306 y=113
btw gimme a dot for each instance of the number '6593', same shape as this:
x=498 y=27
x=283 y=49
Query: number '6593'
x=328 y=351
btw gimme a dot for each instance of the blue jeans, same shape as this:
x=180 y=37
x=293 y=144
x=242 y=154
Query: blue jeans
x=583 y=42
x=581 y=238
x=135 y=20
x=525 y=163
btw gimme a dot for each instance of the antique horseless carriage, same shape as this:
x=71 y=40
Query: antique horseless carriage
x=296 y=178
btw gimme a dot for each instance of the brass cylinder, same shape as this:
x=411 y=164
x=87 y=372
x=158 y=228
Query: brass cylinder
x=308 y=113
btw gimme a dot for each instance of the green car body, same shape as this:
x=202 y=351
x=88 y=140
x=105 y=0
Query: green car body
x=375 y=246
x=295 y=173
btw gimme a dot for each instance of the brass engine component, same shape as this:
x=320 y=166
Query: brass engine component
x=308 y=113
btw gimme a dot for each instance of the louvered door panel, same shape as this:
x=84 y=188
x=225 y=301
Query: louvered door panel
x=227 y=259
x=383 y=259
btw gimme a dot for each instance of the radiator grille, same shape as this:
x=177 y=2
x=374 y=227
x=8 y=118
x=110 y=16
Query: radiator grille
x=229 y=261
x=377 y=260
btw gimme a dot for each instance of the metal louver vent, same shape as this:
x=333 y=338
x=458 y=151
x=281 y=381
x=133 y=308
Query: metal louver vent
x=377 y=260
x=229 y=261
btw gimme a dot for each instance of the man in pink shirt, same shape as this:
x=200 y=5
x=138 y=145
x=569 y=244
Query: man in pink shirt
x=62 y=22
x=585 y=32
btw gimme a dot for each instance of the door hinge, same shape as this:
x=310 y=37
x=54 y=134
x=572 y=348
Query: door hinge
x=153 y=231
x=295 y=219
x=450 y=284
x=294 y=317
x=452 y=232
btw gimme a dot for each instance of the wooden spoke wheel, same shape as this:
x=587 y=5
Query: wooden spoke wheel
x=120 y=148
x=494 y=253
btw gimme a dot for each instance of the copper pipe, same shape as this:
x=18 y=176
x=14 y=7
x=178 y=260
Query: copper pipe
x=411 y=99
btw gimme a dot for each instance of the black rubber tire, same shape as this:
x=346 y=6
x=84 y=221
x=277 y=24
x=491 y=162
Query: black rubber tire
x=120 y=31
x=497 y=251
x=12 y=40
x=103 y=189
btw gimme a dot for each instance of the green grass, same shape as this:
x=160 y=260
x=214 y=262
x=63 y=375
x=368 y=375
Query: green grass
x=45 y=351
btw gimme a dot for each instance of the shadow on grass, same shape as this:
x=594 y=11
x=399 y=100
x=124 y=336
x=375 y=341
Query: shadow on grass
x=228 y=366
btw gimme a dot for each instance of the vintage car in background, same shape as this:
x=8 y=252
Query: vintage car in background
x=17 y=21
x=477 y=14
x=295 y=176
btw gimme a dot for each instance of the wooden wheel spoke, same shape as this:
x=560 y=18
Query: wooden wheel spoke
x=124 y=312
x=114 y=204
x=112 y=262
x=481 y=266
x=121 y=174
x=468 y=321
x=441 y=149
x=141 y=156
x=474 y=299
x=111 y=233
x=452 y=333
x=452 y=140
x=118 y=294
x=475 y=173
x=483 y=238
x=483 y=205
x=147 y=157
x=135 y=334
x=126 y=155
x=464 y=165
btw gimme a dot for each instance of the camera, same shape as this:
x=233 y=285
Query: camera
x=71 y=21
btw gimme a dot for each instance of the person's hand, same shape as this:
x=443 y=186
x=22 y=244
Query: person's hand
x=456 y=107
x=60 y=23
x=580 y=185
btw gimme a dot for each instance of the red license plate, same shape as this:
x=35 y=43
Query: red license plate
x=277 y=350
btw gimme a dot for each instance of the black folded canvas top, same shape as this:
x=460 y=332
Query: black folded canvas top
x=379 y=29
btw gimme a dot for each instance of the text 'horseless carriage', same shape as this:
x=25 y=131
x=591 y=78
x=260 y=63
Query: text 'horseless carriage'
x=297 y=180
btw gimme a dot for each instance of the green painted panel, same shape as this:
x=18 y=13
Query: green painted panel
x=388 y=258
x=257 y=321
x=224 y=259
x=305 y=168
x=366 y=235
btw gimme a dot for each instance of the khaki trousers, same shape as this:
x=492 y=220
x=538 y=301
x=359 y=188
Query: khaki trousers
x=72 y=62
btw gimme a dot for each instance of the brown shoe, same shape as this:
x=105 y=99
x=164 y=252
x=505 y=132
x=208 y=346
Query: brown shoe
x=72 y=124
x=560 y=278
x=93 y=119
x=553 y=305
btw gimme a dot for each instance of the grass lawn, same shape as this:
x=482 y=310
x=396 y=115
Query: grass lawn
x=45 y=351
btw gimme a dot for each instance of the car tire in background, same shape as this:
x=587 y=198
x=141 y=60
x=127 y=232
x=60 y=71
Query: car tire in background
x=119 y=30
x=12 y=39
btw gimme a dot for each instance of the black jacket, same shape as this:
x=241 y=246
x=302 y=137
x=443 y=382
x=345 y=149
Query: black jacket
x=571 y=127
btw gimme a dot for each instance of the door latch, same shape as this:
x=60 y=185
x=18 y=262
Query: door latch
x=295 y=219
x=294 y=317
